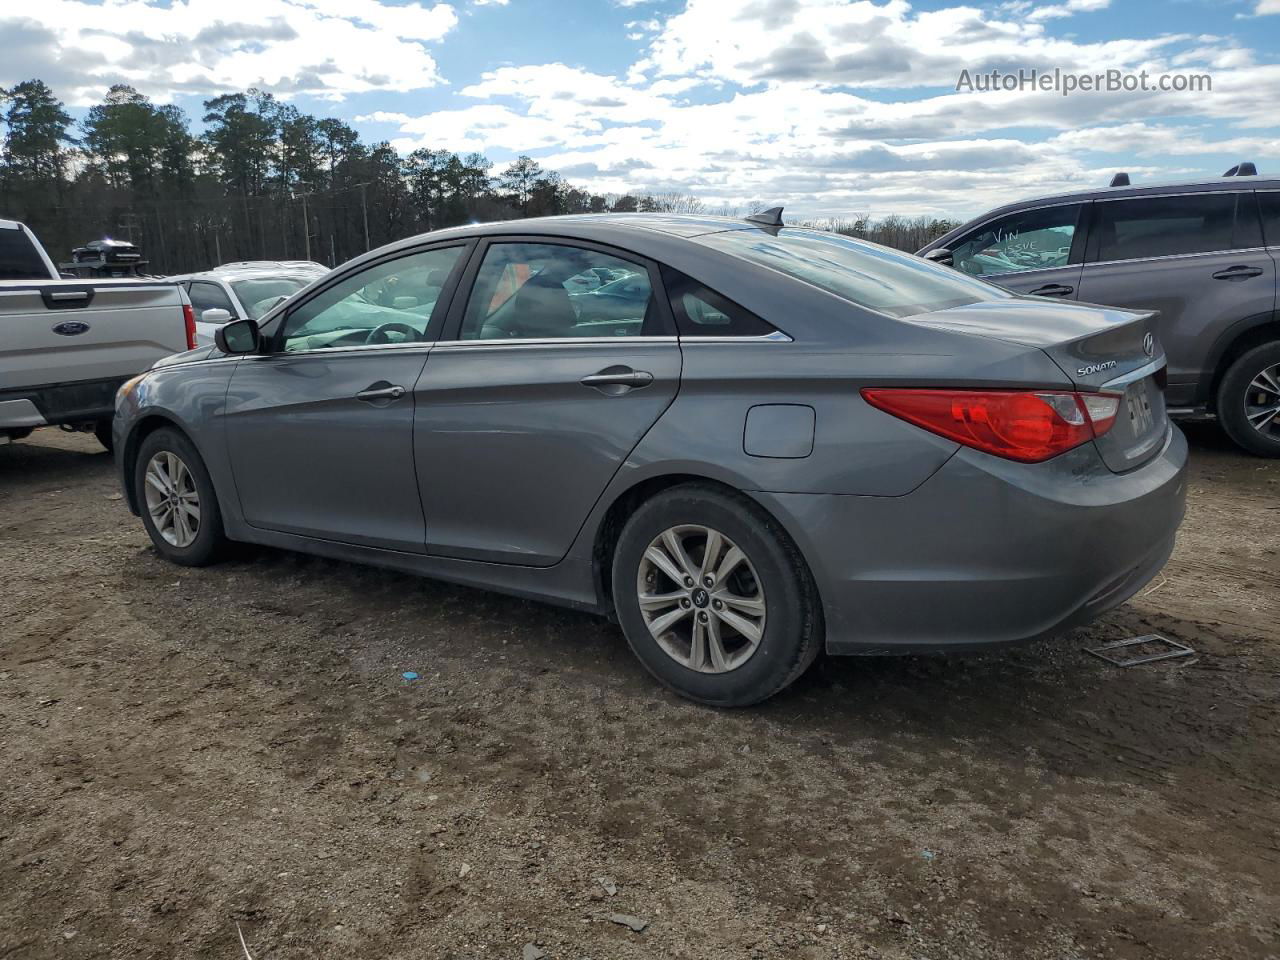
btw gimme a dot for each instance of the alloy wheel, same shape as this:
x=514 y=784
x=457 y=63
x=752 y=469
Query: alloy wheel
x=701 y=599
x=172 y=499
x=1262 y=402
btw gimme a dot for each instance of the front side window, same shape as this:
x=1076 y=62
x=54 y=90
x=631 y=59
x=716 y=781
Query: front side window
x=208 y=296
x=878 y=278
x=388 y=303
x=262 y=293
x=1030 y=240
x=535 y=291
x=1145 y=227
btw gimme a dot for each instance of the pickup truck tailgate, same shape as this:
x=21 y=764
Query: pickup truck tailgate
x=63 y=331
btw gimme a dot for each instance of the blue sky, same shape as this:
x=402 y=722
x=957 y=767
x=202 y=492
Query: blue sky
x=833 y=108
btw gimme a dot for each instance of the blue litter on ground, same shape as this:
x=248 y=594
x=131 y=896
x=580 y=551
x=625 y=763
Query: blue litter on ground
x=409 y=675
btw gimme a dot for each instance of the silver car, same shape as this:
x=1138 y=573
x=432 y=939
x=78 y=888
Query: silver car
x=248 y=289
x=795 y=442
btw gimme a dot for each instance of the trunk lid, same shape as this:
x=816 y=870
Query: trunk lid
x=1100 y=349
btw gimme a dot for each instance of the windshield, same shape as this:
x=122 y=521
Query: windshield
x=261 y=293
x=872 y=276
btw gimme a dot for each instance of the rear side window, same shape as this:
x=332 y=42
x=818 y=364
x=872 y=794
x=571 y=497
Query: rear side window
x=1269 y=201
x=701 y=312
x=1168 y=226
x=18 y=257
x=208 y=296
x=878 y=278
x=539 y=291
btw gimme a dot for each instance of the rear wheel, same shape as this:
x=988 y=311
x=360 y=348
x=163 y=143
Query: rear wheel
x=1249 y=400
x=177 y=501
x=714 y=598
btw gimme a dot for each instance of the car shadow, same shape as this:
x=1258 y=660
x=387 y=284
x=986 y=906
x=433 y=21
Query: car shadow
x=49 y=453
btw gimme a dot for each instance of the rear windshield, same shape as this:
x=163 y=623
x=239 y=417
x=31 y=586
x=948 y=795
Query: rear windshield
x=18 y=257
x=261 y=294
x=878 y=278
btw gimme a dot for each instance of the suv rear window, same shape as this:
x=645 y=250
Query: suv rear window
x=18 y=257
x=1269 y=200
x=878 y=278
x=1145 y=227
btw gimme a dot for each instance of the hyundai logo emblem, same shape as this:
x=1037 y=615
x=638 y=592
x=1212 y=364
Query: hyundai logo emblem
x=71 y=328
x=1149 y=345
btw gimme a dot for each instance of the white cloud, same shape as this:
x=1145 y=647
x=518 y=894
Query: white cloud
x=1266 y=7
x=784 y=127
x=1070 y=8
x=868 y=44
x=327 y=48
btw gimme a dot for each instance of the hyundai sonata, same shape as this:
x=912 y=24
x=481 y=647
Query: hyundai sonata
x=795 y=441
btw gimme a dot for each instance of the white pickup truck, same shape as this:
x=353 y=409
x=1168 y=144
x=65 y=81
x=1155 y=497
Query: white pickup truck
x=67 y=345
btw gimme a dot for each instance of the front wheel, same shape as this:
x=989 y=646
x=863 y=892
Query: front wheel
x=1249 y=400
x=714 y=598
x=178 y=505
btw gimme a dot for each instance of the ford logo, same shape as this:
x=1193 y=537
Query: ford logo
x=71 y=328
x=1149 y=345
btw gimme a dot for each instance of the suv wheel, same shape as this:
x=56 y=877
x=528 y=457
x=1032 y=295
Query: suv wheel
x=1249 y=400
x=714 y=598
x=178 y=505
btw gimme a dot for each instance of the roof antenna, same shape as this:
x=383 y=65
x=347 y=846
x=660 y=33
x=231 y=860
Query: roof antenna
x=767 y=218
x=1119 y=180
x=1242 y=169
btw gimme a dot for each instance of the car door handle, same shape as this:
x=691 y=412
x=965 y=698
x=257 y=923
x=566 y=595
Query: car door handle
x=617 y=380
x=1239 y=272
x=375 y=392
x=1053 y=290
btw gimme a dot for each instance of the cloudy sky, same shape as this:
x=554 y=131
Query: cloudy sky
x=830 y=107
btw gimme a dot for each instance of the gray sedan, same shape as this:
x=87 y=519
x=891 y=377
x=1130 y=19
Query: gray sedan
x=794 y=442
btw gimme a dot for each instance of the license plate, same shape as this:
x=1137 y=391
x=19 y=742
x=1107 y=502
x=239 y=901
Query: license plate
x=1138 y=402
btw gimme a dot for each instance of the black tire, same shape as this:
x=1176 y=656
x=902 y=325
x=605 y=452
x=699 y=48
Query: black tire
x=102 y=430
x=210 y=538
x=793 y=627
x=1235 y=390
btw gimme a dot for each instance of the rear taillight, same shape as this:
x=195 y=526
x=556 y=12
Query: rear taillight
x=1028 y=426
x=189 y=318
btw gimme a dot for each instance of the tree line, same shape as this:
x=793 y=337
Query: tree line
x=264 y=181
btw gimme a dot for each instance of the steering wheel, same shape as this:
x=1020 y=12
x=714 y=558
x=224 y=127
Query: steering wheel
x=379 y=333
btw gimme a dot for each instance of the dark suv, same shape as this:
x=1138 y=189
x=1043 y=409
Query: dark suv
x=1203 y=253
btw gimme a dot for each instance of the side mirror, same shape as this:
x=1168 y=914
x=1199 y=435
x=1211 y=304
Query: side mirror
x=238 y=336
x=940 y=255
x=215 y=315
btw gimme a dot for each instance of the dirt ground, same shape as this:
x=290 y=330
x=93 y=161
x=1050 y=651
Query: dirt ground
x=185 y=752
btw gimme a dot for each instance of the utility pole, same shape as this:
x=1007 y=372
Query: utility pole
x=364 y=211
x=306 y=223
x=306 y=227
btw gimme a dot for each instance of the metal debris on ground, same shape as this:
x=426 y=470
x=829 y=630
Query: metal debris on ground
x=1171 y=649
x=243 y=946
x=635 y=923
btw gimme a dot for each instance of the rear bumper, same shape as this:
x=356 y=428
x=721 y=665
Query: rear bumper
x=987 y=551
x=19 y=415
x=77 y=402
